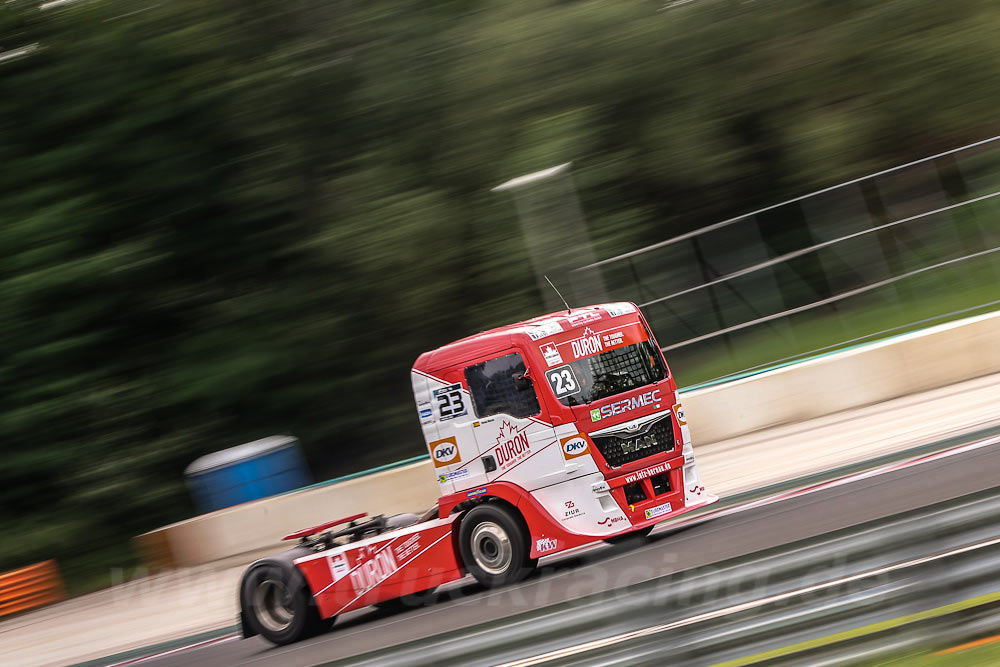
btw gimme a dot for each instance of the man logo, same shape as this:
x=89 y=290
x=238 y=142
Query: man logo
x=445 y=452
x=574 y=446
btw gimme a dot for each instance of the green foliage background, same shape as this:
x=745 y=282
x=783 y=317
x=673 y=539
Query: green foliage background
x=224 y=220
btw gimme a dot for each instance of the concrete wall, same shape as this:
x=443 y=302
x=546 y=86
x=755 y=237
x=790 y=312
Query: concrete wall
x=259 y=525
x=907 y=364
x=910 y=363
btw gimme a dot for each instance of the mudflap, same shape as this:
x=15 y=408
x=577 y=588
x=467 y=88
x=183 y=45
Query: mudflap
x=245 y=628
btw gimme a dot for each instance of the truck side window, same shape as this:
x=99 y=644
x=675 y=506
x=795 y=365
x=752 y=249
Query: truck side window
x=491 y=384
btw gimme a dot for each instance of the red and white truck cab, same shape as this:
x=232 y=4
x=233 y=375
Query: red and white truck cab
x=544 y=435
x=573 y=418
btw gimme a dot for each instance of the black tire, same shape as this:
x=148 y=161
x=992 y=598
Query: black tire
x=636 y=536
x=276 y=604
x=493 y=542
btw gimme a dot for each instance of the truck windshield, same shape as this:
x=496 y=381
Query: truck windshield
x=607 y=373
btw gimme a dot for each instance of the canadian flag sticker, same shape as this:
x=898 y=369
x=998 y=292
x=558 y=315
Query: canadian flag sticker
x=551 y=354
x=338 y=566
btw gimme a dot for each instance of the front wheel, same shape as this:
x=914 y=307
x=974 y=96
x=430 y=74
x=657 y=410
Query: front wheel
x=277 y=605
x=494 y=545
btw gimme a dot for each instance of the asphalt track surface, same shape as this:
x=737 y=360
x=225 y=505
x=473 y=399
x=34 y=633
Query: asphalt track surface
x=601 y=568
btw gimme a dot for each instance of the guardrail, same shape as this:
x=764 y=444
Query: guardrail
x=855 y=577
x=30 y=587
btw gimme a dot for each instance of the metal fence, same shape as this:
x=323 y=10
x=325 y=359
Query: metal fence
x=905 y=247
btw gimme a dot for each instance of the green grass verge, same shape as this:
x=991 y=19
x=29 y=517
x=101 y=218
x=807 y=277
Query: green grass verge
x=987 y=655
x=867 y=630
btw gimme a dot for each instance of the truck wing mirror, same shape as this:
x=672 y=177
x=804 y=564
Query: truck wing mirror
x=522 y=382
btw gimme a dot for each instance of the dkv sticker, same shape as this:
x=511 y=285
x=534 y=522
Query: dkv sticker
x=679 y=413
x=574 y=446
x=445 y=452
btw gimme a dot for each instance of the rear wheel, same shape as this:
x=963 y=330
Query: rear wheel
x=494 y=545
x=277 y=605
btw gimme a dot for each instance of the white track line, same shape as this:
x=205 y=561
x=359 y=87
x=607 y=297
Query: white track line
x=180 y=649
x=840 y=481
x=776 y=498
x=655 y=629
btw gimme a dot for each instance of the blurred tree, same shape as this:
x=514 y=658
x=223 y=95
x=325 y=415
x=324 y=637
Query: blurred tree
x=231 y=219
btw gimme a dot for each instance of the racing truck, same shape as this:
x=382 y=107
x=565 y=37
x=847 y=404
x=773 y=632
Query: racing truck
x=544 y=435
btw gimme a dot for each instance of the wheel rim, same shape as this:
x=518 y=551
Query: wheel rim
x=491 y=548
x=274 y=605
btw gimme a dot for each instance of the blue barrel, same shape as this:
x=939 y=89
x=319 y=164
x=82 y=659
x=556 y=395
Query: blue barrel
x=247 y=472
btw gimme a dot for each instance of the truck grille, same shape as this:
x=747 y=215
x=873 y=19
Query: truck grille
x=623 y=447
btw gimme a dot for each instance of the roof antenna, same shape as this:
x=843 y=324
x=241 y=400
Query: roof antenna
x=568 y=309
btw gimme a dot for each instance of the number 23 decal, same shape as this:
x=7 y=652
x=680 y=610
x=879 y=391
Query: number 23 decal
x=450 y=401
x=563 y=381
